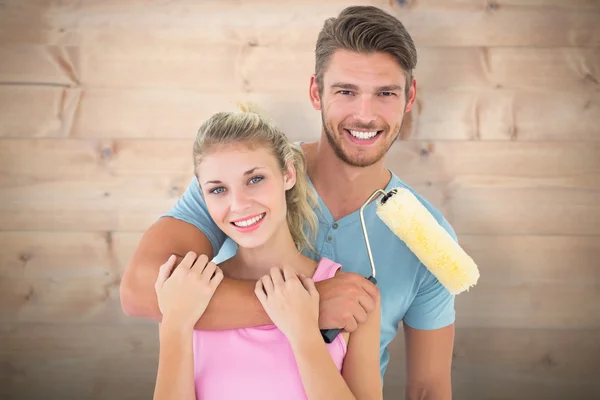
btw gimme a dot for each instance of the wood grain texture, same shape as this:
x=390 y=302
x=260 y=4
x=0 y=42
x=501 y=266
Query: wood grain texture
x=258 y=68
x=73 y=277
x=38 y=64
x=249 y=67
x=93 y=362
x=481 y=187
x=100 y=102
x=500 y=115
x=516 y=362
x=38 y=111
x=267 y=23
x=62 y=277
x=519 y=364
x=498 y=194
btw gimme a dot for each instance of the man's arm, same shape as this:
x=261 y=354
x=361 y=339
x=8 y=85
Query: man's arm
x=233 y=304
x=345 y=300
x=428 y=363
x=429 y=340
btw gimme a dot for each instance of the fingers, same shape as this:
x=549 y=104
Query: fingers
x=260 y=292
x=189 y=260
x=366 y=303
x=372 y=291
x=267 y=284
x=207 y=273
x=200 y=262
x=277 y=277
x=289 y=274
x=164 y=272
x=351 y=324
x=309 y=285
x=216 y=279
x=360 y=314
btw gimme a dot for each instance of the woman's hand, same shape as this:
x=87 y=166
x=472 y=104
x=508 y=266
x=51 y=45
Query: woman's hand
x=184 y=294
x=291 y=301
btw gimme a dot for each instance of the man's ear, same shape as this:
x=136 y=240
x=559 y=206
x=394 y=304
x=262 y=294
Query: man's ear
x=289 y=177
x=412 y=96
x=313 y=92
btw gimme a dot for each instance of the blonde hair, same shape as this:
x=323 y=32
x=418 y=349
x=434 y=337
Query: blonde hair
x=252 y=127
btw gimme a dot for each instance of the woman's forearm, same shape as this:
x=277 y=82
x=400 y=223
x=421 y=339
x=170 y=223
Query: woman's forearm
x=320 y=376
x=175 y=378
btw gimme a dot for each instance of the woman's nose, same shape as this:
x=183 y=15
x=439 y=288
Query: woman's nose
x=239 y=201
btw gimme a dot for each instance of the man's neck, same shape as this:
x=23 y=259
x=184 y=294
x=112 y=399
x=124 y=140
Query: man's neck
x=342 y=187
x=280 y=250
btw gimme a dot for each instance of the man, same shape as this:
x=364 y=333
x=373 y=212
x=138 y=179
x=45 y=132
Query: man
x=363 y=86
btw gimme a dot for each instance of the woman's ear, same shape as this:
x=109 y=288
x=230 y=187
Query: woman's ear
x=289 y=177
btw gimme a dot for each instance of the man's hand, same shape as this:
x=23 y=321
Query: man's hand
x=345 y=301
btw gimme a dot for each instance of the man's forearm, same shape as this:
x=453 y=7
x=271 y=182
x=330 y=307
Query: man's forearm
x=233 y=305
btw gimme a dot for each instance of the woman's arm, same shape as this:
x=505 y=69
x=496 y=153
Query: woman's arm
x=361 y=376
x=175 y=378
x=183 y=294
x=292 y=302
x=345 y=299
x=362 y=365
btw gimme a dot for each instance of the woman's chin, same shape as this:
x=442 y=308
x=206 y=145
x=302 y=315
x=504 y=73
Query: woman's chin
x=249 y=243
x=247 y=240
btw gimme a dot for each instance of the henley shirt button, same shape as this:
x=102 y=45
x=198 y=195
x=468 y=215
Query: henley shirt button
x=335 y=225
x=329 y=238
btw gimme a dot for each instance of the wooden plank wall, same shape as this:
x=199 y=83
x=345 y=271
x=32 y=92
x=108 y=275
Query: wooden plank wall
x=100 y=101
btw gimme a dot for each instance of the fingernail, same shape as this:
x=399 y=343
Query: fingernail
x=172 y=257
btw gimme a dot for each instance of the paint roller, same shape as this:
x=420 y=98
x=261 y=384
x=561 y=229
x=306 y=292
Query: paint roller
x=413 y=224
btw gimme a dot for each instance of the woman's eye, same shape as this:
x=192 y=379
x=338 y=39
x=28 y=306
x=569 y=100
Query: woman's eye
x=256 y=179
x=217 y=190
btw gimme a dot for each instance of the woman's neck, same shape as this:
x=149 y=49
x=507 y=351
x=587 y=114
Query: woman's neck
x=280 y=250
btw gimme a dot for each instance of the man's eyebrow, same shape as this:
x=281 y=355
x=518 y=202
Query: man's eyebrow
x=389 y=88
x=342 y=85
x=350 y=86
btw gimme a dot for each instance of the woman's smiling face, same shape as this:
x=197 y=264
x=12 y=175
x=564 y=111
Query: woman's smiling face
x=244 y=189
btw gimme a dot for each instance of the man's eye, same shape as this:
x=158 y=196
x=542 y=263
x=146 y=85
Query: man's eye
x=387 y=94
x=345 y=92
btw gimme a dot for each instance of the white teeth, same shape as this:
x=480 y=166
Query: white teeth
x=363 y=135
x=249 y=222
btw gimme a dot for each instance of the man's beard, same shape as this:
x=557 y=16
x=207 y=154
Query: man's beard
x=357 y=162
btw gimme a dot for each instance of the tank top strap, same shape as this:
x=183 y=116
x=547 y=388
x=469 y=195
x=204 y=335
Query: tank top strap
x=326 y=269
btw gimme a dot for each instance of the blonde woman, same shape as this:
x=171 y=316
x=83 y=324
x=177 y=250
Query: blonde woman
x=254 y=183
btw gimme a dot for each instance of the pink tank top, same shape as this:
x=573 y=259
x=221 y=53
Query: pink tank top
x=254 y=363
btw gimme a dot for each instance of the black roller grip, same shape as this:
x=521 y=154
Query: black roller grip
x=330 y=334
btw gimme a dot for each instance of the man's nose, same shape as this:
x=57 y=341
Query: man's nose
x=366 y=110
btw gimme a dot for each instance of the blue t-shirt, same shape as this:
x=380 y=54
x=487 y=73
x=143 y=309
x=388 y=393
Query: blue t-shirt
x=409 y=292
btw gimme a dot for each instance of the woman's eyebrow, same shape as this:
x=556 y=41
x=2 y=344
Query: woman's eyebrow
x=249 y=172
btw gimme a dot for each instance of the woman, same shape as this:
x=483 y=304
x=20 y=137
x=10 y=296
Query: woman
x=256 y=190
